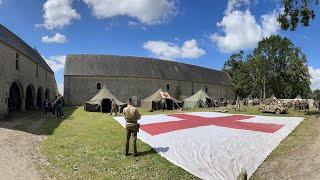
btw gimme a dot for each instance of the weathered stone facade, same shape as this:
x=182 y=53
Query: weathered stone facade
x=30 y=75
x=80 y=88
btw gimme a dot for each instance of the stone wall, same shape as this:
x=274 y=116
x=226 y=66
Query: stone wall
x=25 y=76
x=79 y=89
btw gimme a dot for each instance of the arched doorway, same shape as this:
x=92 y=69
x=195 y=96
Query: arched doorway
x=14 y=101
x=30 y=96
x=39 y=97
x=47 y=94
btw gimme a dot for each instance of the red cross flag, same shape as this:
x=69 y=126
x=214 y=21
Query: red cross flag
x=215 y=145
x=165 y=95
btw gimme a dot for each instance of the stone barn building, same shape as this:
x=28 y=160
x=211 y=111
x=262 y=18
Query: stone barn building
x=25 y=77
x=139 y=77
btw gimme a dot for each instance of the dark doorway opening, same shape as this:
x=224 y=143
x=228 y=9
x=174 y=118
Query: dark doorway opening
x=47 y=94
x=209 y=102
x=106 y=105
x=39 y=98
x=14 y=101
x=156 y=105
x=29 y=98
x=170 y=104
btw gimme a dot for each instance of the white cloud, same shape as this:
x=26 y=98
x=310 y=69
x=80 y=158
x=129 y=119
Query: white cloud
x=58 y=13
x=234 y=4
x=56 y=63
x=147 y=11
x=58 y=38
x=166 y=50
x=315 y=78
x=61 y=88
x=270 y=24
x=240 y=28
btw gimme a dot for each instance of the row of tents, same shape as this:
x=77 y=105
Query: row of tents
x=101 y=102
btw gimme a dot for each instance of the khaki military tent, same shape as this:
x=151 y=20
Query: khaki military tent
x=270 y=100
x=160 y=100
x=198 y=100
x=298 y=98
x=101 y=102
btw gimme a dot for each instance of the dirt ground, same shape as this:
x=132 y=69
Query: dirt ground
x=20 y=156
x=297 y=157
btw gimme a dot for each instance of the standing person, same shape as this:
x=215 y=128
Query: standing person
x=131 y=115
x=45 y=106
x=61 y=108
x=50 y=108
x=114 y=107
x=238 y=103
x=164 y=105
x=58 y=107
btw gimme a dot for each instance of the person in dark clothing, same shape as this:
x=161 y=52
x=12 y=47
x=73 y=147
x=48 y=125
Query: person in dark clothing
x=45 y=106
x=58 y=108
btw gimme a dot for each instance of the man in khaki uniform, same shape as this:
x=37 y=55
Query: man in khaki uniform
x=131 y=115
x=113 y=107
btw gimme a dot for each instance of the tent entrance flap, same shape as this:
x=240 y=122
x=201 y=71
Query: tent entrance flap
x=169 y=104
x=209 y=102
x=156 y=105
x=92 y=107
x=106 y=105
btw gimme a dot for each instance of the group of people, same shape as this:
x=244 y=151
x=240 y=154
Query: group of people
x=56 y=107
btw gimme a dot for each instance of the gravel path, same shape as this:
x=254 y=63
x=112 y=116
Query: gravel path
x=20 y=156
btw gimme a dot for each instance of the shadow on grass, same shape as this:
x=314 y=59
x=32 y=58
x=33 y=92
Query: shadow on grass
x=34 y=122
x=313 y=113
x=153 y=151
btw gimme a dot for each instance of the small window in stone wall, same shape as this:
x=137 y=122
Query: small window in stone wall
x=98 y=86
x=168 y=87
x=37 y=71
x=17 y=62
x=206 y=89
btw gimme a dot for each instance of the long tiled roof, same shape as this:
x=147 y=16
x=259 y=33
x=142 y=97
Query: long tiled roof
x=140 y=67
x=9 y=38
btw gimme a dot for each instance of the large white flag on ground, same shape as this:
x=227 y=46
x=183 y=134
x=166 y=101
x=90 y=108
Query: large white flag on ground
x=215 y=145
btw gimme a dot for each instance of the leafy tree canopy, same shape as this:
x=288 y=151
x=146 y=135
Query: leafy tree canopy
x=297 y=12
x=275 y=67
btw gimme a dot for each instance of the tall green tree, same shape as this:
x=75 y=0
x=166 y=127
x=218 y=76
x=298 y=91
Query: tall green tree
x=297 y=12
x=316 y=94
x=238 y=71
x=275 y=67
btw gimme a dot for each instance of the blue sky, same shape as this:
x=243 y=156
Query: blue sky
x=202 y=32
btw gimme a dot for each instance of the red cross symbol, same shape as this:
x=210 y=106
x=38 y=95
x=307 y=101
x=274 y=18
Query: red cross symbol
x=190 y=121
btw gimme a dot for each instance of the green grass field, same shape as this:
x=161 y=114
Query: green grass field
x=91 y=146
